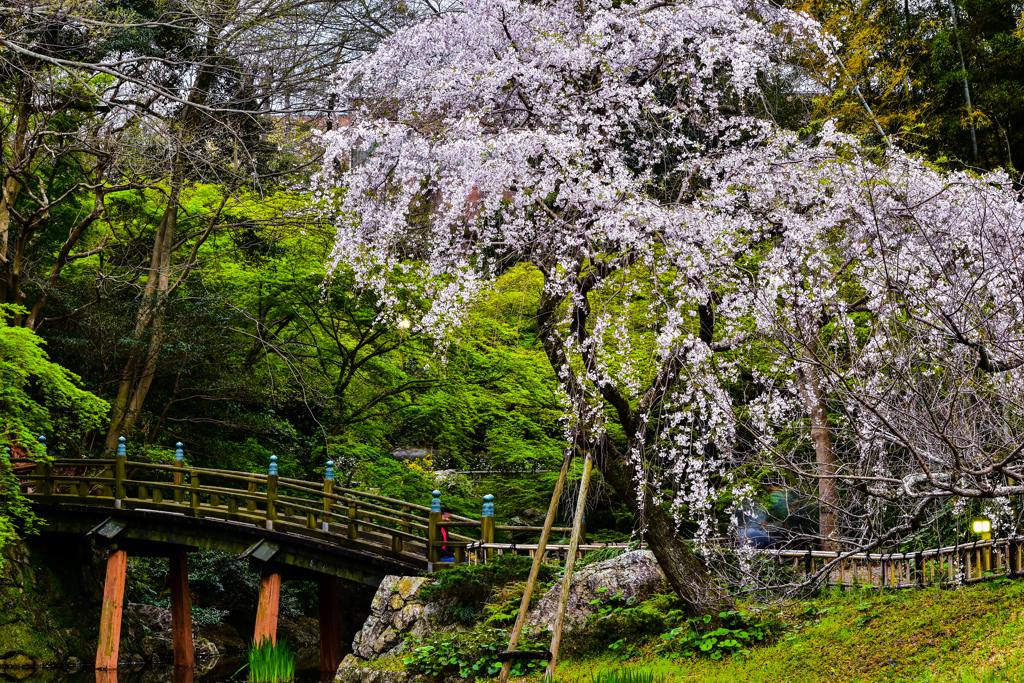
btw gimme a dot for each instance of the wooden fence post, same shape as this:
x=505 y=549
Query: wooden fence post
x=272 y=496
x=119 y=472
x=179 y=476
x=434 y=529
x=193 y=494
x=919 y=568
x=487 y=526
x=325 y=525
x=45 y=469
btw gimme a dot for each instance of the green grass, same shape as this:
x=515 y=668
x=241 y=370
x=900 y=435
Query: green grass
x=970 y=635
x=271 y=662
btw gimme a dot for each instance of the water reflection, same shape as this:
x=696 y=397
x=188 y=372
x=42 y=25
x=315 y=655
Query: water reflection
x=223 y=669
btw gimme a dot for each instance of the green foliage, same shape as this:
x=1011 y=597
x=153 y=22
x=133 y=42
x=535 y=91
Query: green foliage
x=37 y=397
x=463 y=590
x=270 y=662
x=625 y=628
x=469 y=654
x=694 y=638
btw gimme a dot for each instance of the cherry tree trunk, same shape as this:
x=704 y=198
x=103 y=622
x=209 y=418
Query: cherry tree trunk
x=684 y=571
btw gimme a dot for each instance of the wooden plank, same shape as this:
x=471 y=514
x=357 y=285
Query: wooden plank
x=181 y=612
x=110 y=614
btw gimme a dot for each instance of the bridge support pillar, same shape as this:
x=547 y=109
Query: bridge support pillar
x=330 y=625
x=181 y=612
x=266 y=611
x=110 y=617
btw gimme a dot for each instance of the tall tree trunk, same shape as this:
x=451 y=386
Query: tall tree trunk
x=685 y=572
x=142 y=362
x=824 y=455
x=11 y=188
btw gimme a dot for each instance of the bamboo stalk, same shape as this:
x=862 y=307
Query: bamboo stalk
x=524 y=606
x=570 y=560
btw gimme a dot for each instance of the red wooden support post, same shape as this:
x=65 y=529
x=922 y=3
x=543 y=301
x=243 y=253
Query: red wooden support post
x=181 y=612
x=330 y=625
x=266 y=611
x=110 y=617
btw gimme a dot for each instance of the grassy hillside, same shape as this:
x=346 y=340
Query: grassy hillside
x=971 y=634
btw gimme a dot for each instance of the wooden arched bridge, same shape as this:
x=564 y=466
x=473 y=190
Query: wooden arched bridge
x=286 y=528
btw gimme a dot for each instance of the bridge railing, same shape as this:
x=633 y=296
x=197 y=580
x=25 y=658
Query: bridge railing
x=362 y=519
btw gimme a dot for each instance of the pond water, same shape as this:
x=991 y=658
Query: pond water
x=224 y=669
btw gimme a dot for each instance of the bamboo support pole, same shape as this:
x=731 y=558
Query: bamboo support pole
x=524 y=606
x=570 y=560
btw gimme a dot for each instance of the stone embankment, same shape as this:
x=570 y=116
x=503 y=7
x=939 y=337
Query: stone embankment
x=399 y=615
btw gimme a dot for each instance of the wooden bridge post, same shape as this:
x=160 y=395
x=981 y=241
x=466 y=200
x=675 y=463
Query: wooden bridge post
x=119 y=472
x=181 y=612
x=325 y=525
x=266 y=610
x=110 y=616
x=330 y=624
x=272 y=496
x=193 y=494
x=45 y=470
x=433 y=530
x=179 y=474
x=487 y=526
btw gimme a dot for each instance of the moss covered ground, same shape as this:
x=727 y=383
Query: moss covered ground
x=973 y=634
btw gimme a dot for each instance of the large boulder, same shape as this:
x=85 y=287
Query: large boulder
x=634 y=574
x=395 y=613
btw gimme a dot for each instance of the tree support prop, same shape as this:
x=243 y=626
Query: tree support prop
x=110 y=617
x=181 y=612
x=266 y=611
x=330 y=625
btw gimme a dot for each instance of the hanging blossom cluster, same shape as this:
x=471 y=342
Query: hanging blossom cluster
x=724 y=292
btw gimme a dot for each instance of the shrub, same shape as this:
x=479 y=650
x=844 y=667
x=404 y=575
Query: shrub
x=735 y=632
x=600 y=555
x=469 y=654
x=462 y=591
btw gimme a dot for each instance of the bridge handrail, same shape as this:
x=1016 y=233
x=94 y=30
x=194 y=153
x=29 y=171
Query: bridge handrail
x=296 y=505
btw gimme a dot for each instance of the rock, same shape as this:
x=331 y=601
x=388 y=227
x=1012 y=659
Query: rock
x=226 y=637
x=204 y=649
x=299 y=632
x=72 y=662
x=361 y=674
x=18 y=661
x=395 y=613
x=152 y=617
x=634 y=574
x=350 y=661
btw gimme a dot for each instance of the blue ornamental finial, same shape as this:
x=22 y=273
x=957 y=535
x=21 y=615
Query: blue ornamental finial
x=329 y=473
x=7 y=453
x=488 y=510
x=273 y=465
x=435 y=505
x=179 y=455
x=42 y=442
x=120 y=446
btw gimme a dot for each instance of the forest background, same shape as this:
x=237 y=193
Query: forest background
x=163 y=266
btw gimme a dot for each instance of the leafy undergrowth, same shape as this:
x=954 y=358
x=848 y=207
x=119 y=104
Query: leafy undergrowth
x=974 y=635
